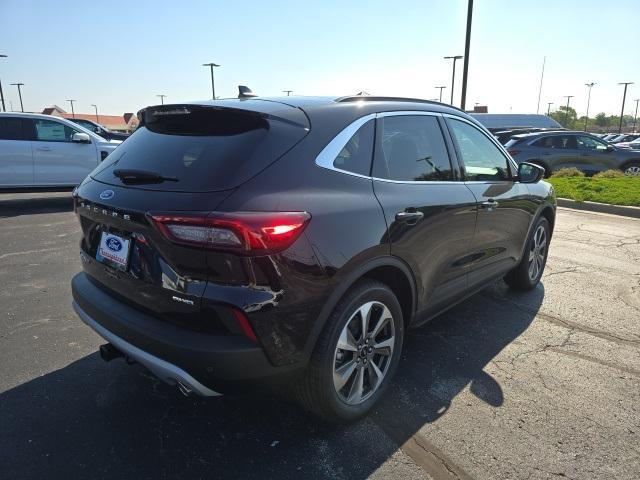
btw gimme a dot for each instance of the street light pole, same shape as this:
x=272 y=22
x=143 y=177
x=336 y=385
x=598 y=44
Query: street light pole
x=288 y=92
x=624 y=98
x=4 y=109
x=19 y=94
x=635 y=117
x=73 y=113
x=586 y=119
x=467 y=46
x=161 y=98
x=566 y=112
x=96 y=107
x=544 y=61
x=455 y=58
x=549 y=108
x=441 y=88
x=213 y=87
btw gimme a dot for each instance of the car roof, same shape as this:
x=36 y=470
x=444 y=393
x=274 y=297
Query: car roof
x=506 y=121
x=344 y=109
x=551 y=132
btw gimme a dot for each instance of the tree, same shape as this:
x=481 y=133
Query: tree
x=565 y=116
x=602 y=120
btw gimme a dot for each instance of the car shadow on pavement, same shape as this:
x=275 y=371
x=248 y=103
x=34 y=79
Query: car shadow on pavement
x=96 y=420
x=14 y=206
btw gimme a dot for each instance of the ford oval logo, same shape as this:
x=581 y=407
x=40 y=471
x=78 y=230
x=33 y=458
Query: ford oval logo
x=107 y=194
x=114 y=244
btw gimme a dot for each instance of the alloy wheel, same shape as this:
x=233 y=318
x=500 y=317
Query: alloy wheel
x=632 y=171
x=363 y=353
x=537 y=252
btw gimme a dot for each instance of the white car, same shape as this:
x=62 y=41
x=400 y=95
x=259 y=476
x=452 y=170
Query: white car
x=46 y=151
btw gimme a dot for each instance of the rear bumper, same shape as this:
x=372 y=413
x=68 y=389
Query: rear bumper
x=165 y=371
x=204 y=363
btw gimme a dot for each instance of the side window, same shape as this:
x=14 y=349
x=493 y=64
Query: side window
x=50 y=131
x=356 y=155
x=483 y=160
x=11 y=128
x=411 y=148
x=589 y=143
x=89 y=126
x=544 y=142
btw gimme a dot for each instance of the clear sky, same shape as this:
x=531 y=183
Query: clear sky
x=120 y=54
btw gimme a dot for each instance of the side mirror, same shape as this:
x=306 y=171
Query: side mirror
x=530 y=173
x=610 y=148
x=79 y=137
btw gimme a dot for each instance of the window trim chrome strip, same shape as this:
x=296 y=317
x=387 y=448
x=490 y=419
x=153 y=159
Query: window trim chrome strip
x=329 y=153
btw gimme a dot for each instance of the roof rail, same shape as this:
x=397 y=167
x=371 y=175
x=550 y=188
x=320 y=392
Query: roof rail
x=372 y=98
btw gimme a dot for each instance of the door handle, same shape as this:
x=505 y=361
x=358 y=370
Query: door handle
x=409 y=217
x=44 y=149
x=489 y=204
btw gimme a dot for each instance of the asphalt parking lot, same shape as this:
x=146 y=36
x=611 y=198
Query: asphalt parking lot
x=538 y=385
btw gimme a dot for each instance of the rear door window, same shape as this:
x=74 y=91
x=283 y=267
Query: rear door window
x=411 y=148
x=11 y=128
x=204 y=148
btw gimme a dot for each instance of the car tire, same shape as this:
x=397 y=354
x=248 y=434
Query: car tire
x=526 y=275
x=319 y=389
x=632 y=169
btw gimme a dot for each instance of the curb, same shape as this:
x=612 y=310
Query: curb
x=621 y=210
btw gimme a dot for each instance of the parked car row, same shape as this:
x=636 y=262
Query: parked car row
x=44 y=151
x=553 y=150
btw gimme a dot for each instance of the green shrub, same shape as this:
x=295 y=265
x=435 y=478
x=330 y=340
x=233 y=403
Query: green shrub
x=568 y=172
x=609 y=174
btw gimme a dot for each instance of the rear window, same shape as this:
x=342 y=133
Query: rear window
x=204 y=148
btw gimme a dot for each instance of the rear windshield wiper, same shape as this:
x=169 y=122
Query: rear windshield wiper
x=131 y=176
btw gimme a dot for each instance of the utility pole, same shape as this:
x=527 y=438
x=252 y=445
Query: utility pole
x=441 y=88
x=635 y=117
x=566 y=112
x=624 y=98
x=467 y=46
x=549 y=108
x=73 y=113
x=288 y=92
x=586 y=119
x=96 y=107
x=544 y=61
x=455 y=58
x=4 y=109
x=19 y=94
x=161 y=98
x=213 y=87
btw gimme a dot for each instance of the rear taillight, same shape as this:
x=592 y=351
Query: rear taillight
x=246 y=233
x=513 y=152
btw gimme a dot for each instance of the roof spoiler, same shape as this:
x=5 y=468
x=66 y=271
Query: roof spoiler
x=245 y=92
